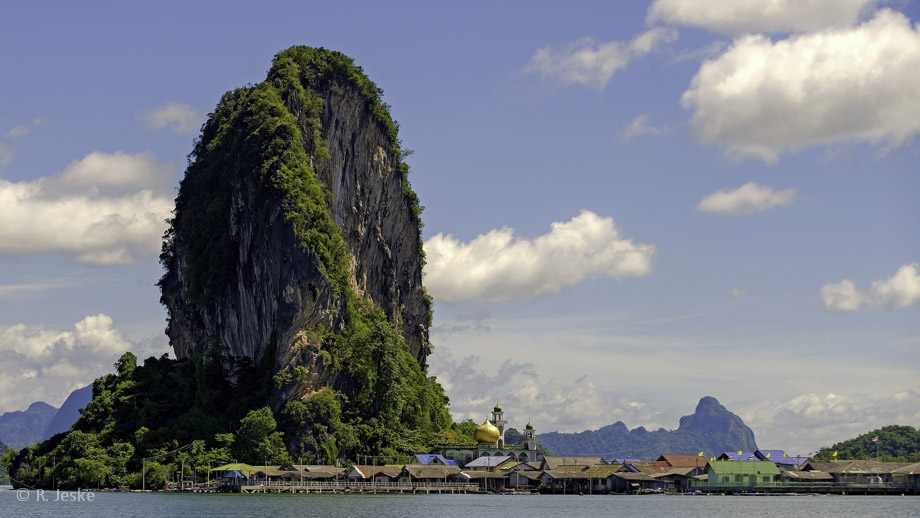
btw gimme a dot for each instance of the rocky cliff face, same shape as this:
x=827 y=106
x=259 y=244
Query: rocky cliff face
x=294 y=210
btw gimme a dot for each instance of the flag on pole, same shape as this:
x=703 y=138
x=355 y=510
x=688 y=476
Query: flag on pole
x=768 y=455
x=701 y=455
x=875 y=439
x=835 y=453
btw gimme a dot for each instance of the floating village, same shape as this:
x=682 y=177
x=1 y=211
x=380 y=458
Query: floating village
x=492 y=466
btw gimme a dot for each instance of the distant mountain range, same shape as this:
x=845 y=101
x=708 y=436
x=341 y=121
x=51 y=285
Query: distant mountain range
x=40 y=421
x=69 y=412
x=711 y=429
x=26 y=427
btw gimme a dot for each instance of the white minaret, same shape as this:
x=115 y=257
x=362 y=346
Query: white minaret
x=498 y=421
x=530 y=442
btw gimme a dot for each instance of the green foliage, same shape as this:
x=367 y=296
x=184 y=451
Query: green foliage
x=143 y=412
x=269 y=137
x=255 y=132
x=287 y=375
x=6 y=461
x=896 y=444
x=259 y=440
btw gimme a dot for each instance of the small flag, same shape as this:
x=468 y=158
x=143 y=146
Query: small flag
x=701 y=453
x=784 y=455
x=875 y=439
x=768 y=455
x=739 y=452
x=835 y=453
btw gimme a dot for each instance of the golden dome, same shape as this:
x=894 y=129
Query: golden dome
x=486 y=433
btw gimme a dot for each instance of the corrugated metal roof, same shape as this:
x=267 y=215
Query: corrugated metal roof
x=431 y=470
x=437 y=458
x=602 y=470
x=734 y=456
x=773 y=454
x=867 y=467
x=649 y=466
x=567 y=474
x=474 y=475
x=808 y=475
x=373 y=471
x=684 y=460
x=237 y=466
x=684 y=471
x=551 y=462
x=489 y=462
x=635 y=477
x=910 y=469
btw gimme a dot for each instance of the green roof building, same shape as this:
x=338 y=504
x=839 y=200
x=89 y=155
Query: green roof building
x=742 y=473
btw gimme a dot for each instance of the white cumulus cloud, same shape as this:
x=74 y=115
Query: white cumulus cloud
x=592 y=64
x=898 y=291
x=74 y=213
x=22 y=130
x=761 y=98
x=181 y=118
x=746 y=199
x=44 y=364
x=6 y=154
x=640 y=126
x=570 y=405
x=117 y=170
x=745 y=16
x=498 y=266
x=805 y=423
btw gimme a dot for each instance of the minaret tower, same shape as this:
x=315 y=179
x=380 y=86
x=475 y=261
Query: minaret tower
x=530 y=442
x=498 y=420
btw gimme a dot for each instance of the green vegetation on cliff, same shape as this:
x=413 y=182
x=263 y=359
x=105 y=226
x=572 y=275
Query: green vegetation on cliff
x=895 y=444
x=212 y=407
x=257 y=130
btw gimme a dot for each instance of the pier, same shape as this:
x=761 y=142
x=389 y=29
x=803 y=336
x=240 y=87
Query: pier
x=361 y=487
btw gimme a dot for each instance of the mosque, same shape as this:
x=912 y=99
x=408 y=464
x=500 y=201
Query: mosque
x=490 y=438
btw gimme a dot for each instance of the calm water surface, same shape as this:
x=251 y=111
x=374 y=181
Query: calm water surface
x=27 y=504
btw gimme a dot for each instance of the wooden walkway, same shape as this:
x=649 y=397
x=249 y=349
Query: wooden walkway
x=362 y=487
x=826 y=488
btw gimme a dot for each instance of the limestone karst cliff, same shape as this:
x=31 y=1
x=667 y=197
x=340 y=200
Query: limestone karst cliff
x=293 y=222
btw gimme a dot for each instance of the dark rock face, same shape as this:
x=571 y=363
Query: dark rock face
x=370 y=208
x=711 y=429
x=278 y=297
x=712 y=418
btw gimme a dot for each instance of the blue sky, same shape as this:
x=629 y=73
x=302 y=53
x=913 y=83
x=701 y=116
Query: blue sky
x=629 y=206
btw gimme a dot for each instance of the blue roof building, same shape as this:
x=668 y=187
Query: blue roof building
x=433 y=458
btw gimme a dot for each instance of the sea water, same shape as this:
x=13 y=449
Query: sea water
x=112 y=504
